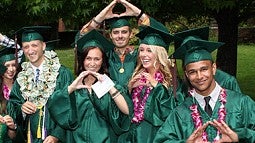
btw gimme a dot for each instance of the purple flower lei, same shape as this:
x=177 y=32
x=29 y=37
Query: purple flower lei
x=221 y=114
x=138 y=101
x=6 y=92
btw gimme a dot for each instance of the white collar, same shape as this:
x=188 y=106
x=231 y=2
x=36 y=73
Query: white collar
x=214 y=97
x=39 y=67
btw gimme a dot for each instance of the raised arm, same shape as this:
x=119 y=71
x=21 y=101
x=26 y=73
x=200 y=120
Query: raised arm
x=106 y=13
x=10 y=43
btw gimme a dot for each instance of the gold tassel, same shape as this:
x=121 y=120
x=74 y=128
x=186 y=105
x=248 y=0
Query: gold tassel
x=39 y=134
x=29 y=132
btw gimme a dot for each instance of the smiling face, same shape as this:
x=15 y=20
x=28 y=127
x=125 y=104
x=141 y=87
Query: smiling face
x=34 y=51
x=94 y=60
x=11 y=70
x=121 y=36
x=148 y=57
x=201 y=76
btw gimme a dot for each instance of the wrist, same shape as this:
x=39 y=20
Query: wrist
x=154 y=84
x=140 y=14
x=14 y=128
x=1 y=37
x=115 y=94
x=71 y=89
x=96 y=21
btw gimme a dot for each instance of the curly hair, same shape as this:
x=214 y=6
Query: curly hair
x=164 y=62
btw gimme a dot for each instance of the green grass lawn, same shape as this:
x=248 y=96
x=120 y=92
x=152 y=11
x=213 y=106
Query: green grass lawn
x=245 y=66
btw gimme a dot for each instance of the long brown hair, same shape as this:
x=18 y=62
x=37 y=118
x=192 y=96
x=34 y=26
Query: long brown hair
x=3 y=101
x=81 y=57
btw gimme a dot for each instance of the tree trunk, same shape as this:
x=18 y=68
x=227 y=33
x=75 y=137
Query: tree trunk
x=227 y=20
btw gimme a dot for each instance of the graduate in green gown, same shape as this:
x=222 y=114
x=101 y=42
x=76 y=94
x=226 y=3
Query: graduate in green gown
x=41 y=80
x=8 y=72
x=223 y=79
x=211 y=113
x=123 y=58
x=150 y=85
x=100 y=119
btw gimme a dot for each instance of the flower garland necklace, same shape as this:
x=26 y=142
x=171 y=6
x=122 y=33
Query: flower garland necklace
x=6 y=92
x=39 y=92
x=139 y=101
x=221 y=114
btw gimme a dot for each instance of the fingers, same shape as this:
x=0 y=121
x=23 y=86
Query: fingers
x=97 y=75
x=221 y=126
x=200 y=130
x=151 y=80
x=2 y=119
x=205 y=126
x=50 y=139
x=9 y=121
x=113 y=3
x=227 y=133
x=28 y=107
x=84 y=28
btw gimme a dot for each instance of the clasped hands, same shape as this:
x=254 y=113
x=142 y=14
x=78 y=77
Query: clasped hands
x=78 y=83
x=107 y=12
x=227 y=135
x=142 y=79
x=8 y=121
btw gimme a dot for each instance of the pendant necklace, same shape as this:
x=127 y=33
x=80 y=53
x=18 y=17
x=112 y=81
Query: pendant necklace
x=122 y=58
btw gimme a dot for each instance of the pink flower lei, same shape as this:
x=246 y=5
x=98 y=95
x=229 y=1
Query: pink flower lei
x=221 y=114
x=139 y=101
x=6 y=92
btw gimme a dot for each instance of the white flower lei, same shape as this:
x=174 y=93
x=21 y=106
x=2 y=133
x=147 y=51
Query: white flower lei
x=40 y=92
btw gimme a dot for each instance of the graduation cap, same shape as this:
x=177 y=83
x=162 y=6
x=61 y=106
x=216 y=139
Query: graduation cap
x=32 y=33
x=202 y=33
x=50 y=45
x=94 y=39
x=194 y=49
x=155 y=34
x=118 y=22
x=6 y=54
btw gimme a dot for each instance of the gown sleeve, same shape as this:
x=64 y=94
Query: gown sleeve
x=158 y=105
x=227 y=81
x=177 y=127
x=14 y=110
x=61 y=105
x=110 y=111
x=246 y=132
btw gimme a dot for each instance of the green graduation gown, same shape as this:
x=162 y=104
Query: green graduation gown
x=157 y=108
x=100 y=120
x=240 y=118
x=64 y=79
x=128 y=65
x=226 y=80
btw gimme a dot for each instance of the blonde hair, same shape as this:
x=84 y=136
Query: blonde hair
x=164 y=64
